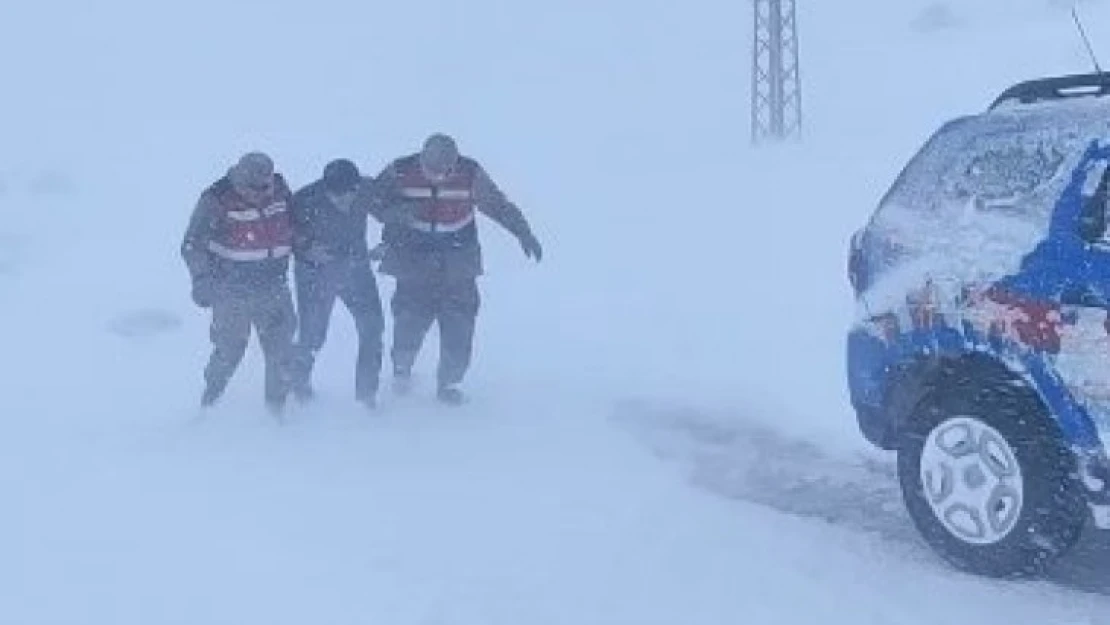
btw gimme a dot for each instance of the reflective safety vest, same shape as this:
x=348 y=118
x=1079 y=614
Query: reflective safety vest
x=447 y=206
x=250 y=232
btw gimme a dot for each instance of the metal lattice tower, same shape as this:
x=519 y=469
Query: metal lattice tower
x=776 y=82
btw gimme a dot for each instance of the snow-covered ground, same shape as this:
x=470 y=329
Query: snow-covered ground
x=659 y=431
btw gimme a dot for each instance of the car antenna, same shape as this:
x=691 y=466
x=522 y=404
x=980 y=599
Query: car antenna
x=1086 y=40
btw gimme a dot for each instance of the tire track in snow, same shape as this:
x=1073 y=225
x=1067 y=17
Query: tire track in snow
x=742 y=459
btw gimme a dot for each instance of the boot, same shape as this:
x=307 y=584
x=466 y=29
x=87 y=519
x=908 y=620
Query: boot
x=276 y=408
x=402 y=382
x=450 y=395
x=304 y=392
x=210 y=396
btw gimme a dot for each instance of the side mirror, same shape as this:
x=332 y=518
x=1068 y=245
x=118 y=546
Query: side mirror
x=855 y=262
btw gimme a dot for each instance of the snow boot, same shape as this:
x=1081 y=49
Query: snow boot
x=210 y=396
x=402 y=382
x=450 y=395
x=304 y=393
x=276 y=408
x=368 y=399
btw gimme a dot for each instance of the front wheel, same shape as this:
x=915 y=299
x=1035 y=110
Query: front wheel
x=988 y=484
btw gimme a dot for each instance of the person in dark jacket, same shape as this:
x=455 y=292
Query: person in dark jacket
x=333 y=262
x=429 y=203
x=237 y=248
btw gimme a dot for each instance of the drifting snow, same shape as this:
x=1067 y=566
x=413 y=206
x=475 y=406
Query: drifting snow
x=682 y=269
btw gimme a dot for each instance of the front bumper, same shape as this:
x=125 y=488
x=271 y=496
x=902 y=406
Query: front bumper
x=868 y=371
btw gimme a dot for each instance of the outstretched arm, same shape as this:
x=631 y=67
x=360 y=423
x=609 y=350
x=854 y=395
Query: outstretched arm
x=493 y=203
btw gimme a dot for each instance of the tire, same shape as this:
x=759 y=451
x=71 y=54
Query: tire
x=988 y=482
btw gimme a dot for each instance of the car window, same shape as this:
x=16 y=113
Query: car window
x=1003 y=166
x=1005 y=176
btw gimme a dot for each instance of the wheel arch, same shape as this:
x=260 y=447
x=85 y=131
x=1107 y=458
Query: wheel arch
x=926 y=379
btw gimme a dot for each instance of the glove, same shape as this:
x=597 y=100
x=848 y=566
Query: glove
x=202 y=292
x=531 y=246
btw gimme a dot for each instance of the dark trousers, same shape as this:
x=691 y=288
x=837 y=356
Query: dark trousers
x=318 y=287
x=417 y=303
x=235 y=310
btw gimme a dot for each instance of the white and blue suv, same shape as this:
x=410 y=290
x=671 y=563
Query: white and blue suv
x=980 y=348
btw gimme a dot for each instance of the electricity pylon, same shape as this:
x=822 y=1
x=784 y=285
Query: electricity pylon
x=776 y=81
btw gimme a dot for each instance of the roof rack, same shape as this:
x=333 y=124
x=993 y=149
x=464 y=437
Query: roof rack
x=1055 y=88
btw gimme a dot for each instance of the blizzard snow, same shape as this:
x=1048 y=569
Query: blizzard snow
x=660 y=432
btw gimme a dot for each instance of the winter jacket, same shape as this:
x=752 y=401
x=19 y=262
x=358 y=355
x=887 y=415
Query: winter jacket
x=319 y=222
x=233 y=243
x=430 y=229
